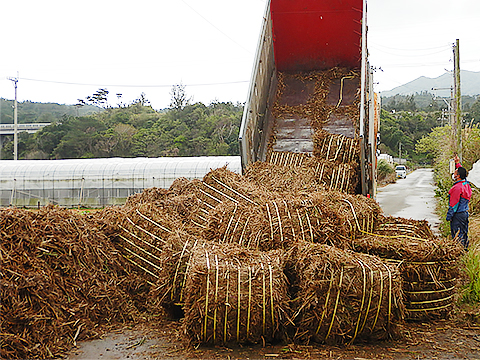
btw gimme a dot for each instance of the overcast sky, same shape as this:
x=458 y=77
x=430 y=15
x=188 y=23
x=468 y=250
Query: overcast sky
x=65 y=50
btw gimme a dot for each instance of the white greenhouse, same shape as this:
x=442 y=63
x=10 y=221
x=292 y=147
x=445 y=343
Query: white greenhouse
x=97 y=182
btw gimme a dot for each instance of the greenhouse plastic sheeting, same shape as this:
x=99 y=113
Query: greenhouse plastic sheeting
x=97 y=182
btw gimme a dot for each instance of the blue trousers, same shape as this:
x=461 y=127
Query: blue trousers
x=459 y=224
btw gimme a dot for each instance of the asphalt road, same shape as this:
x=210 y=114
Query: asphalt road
x=411 y=198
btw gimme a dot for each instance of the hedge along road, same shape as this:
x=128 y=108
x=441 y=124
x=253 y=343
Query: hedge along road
x=411 y=198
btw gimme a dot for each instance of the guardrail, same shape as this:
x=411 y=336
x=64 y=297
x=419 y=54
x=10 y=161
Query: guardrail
x=8 y=129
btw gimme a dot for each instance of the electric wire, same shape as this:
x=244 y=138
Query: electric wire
x=219 y=30
x=130 y=85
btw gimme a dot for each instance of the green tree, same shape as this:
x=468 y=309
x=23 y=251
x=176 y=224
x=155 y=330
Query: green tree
x=179 y=97
x=99 y=98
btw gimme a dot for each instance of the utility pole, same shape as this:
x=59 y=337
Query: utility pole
x=458 y=103
x=399 y=152
x=15 y=121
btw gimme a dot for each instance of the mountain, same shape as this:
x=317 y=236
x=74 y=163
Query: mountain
x=469 y=80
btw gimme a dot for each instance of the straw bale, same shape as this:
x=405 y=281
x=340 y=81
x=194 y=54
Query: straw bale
x=241 y=224
x=322 y=217
x=354 y=214
x=62 y=281
x=276 y=224
x=430 y=288
x=139 y=234
x=291 y=173
x=336 y=147
x=285 y=179
x=407 y=240
x=429 y=265
x=230 y=186
x=235 y=296
x=174 y=267
x=344 y=296
x=389 y=225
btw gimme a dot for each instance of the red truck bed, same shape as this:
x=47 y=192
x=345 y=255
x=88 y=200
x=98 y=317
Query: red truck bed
x=316 y=35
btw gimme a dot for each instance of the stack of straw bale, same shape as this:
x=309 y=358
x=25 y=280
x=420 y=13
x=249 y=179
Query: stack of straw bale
x=235 y=296
x=214 y=251
x=342 y=296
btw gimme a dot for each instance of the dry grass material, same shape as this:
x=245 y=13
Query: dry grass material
x=62 y=281
x=316 y=108
x=429 y=265
x=343 y=296
x=235 y=296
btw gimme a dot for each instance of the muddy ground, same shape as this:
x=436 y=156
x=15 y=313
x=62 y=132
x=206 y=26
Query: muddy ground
x=442 y=339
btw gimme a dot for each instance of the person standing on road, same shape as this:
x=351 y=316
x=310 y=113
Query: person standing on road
x=459 y=196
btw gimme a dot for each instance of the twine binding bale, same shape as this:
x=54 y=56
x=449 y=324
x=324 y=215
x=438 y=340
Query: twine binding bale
x=234 y=296
x=343 y=296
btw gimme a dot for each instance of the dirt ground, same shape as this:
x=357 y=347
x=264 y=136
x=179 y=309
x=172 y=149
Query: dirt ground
x=441 y=339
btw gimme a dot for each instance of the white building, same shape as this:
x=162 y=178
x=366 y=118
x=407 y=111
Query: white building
x=386 y=157
x=97 y=182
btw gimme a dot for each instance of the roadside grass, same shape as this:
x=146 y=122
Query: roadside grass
x=471 y=260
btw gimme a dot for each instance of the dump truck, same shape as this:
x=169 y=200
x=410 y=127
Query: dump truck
x=311 y=90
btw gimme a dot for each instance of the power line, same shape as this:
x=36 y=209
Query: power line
x=445 y=47
x=131 y=86
x=409 y=55
x=204 y=18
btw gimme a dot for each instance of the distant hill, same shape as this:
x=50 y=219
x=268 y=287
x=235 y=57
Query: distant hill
x=33 y=112
x=470 y=83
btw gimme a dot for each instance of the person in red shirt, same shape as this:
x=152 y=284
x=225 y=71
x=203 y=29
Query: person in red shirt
x=459 y=195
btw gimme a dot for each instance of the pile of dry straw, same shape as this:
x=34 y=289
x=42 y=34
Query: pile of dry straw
x=284 y=251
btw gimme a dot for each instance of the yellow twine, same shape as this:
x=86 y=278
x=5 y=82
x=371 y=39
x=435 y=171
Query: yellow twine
x=326 y=302
x=336 y=304
x=206 y=296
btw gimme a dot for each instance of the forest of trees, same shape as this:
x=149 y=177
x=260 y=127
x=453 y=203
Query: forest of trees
x=92 y=129
x=408 y=119
x=134 y=130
